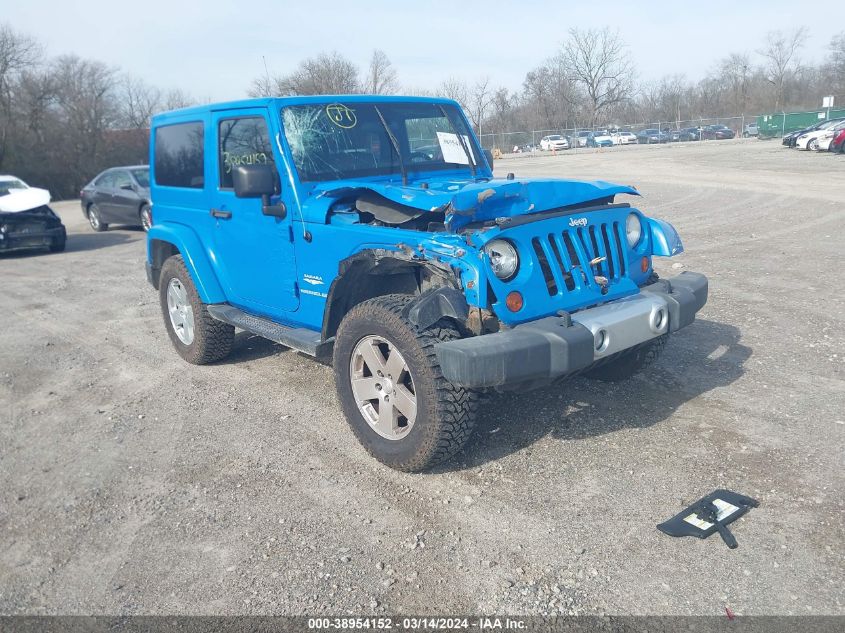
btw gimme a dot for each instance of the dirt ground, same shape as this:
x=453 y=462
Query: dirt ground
x=135 y=483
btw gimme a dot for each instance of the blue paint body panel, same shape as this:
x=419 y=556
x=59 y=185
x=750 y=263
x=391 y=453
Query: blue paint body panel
x=282 y=269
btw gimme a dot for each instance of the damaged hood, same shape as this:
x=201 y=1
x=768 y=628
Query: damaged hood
x=18 y=200
x=464 y=201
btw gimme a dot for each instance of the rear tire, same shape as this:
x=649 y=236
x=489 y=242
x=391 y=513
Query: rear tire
x=146 y=217
x=443 y=413
x=629 y=363
x=198 y=337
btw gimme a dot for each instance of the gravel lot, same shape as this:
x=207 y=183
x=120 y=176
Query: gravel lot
x=135 y=483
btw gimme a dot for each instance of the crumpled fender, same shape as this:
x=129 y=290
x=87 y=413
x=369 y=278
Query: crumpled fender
x=665 y=241
x=197 y=260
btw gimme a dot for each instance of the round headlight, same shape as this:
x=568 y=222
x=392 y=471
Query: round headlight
x=633 y=229
x=504 y=259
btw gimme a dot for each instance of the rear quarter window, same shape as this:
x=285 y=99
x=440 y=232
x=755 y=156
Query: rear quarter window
x=179 y=155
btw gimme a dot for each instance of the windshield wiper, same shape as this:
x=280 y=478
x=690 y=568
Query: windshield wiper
x=395 y=144
x=461 y=140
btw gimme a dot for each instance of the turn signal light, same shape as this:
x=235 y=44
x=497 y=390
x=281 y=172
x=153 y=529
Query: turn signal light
x=514 y=301
x=644 y=264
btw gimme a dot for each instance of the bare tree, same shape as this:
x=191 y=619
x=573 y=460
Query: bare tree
x=456 y=90
x=480 y=99
x=175 y=99
x=550 y=95
x=18 y=53
x=138 y=102
x=381 y=76
x=327 y=73
x=86 y=96
x=597 y=61
x=780 y=53
x=735 y=70
x=837 y=61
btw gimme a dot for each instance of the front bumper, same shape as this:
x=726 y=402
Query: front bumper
x=539 y=352
x=18 y=240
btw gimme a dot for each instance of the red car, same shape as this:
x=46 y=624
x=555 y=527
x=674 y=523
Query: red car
x=838 y=143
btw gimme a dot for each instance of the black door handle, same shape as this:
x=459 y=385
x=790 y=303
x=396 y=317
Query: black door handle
x=223 y=215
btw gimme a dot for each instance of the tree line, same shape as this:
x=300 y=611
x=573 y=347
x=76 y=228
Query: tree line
x=592 y=80
x=64 y=119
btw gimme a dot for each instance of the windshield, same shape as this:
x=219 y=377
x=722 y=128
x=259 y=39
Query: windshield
x=554 y=137
x=6 y=186
x=339 y=141
x=142 y=176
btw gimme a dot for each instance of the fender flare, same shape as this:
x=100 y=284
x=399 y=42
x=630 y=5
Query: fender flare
x=197 y=260
x=665 y=240
x=433 y=305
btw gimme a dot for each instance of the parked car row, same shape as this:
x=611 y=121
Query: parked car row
x=827 y=135
x=648 y=136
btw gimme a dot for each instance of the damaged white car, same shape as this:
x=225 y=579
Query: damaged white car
x=26 y=220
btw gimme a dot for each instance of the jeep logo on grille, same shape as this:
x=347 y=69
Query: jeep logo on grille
x=578 y=222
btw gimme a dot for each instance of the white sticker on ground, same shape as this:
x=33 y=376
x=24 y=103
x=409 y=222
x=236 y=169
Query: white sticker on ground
x=724 y=508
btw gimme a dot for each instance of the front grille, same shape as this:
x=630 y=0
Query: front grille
x=564 y=258
x=27 y=227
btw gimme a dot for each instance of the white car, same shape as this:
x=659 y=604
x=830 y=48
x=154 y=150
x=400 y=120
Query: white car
x=554 y=142
x=623 y=138
x=810 y=140
x=17 y=196
x=824 y=140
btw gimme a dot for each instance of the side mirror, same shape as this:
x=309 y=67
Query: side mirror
x=127 y=187
x=255 y=181
x=259 y=181
x=489 y=156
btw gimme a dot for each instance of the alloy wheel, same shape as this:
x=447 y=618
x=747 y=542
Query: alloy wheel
x=383 y=387
x=180 y=311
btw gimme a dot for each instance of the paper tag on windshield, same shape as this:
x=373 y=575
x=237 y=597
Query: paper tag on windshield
x=451 y=148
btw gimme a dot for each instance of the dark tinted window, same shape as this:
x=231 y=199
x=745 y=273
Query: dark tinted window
x=179 y=155
x=243 y=141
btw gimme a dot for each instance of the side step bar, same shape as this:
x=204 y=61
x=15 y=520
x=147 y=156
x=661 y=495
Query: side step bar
x=300 y=339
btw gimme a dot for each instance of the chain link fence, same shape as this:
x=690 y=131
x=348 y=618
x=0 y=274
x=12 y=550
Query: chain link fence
x=701 y=129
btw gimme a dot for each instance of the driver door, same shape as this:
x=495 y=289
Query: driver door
x=255 y=252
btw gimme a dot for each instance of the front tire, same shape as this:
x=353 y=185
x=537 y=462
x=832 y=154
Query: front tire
x=392 y=392
x=95 y=219
x=629 y=363
x=198 y=337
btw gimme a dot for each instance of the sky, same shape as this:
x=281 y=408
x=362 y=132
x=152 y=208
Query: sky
x=212 y=49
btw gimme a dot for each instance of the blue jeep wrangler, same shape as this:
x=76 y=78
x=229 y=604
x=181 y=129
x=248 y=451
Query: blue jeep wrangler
x=371 y=231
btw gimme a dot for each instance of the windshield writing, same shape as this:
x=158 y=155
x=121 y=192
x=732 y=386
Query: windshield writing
x=338 y=141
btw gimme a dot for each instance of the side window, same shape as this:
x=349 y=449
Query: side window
x=242 y=141
x=179 y=155
x=121 y=178
x=106 y=181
